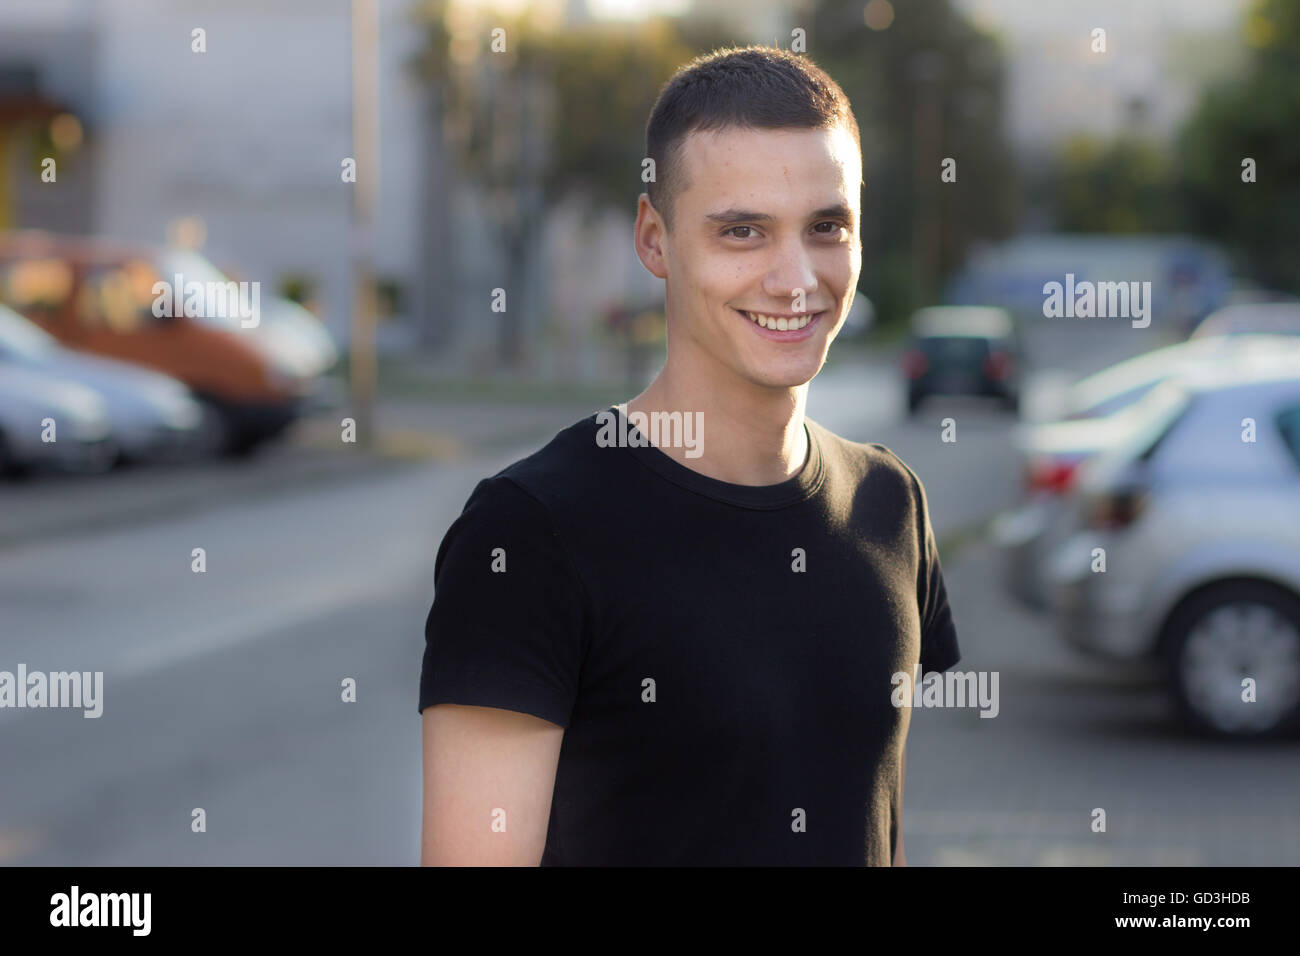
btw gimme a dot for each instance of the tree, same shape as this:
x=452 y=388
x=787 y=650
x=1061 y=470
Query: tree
x=926 y=87
x=1256 y=117
x=559 y=113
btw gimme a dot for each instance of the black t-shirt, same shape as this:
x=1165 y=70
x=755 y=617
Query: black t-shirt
x=720 y=655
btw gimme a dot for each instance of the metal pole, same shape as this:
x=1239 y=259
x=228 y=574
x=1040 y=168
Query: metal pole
x=365 y=191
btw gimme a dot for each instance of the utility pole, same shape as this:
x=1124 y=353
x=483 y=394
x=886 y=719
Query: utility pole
x=927 y=71
x=362 y=364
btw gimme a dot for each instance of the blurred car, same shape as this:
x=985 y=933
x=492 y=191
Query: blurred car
x=1200 y=532
x=963 y=350
x=31 y=398
x=1269 y=318
x=152 y=415
x=1053 y=452
x=1120 y=385
x=100 y=296
x=289 y=333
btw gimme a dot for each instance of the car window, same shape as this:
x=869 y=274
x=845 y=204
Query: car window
x=1148 y=421
x=1288 y=424
x=1119 y=402
x=955 y=348
x=36 y=287
x=193 y=267
x=22 y=339
x=118 y=298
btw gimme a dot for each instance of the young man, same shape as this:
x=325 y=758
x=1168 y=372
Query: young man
x=683 y=653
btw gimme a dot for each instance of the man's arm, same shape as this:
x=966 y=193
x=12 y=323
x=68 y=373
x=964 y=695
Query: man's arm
x=899 y=858
x=484 y=768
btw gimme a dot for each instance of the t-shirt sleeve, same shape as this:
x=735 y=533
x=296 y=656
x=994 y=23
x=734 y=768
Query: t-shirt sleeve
x=939 y=650
x=506 y=624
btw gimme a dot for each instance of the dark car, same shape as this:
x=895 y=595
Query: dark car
x=963 y=350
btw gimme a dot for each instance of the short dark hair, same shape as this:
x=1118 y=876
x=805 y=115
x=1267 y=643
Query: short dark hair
x=754 y=87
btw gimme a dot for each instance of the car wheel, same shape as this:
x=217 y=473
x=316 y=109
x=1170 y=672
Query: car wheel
x=214 y=436
x=1221 y=637
x=244 y=448
x=10 y=465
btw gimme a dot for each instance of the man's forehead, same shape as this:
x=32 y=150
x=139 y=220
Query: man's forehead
x=825 y=159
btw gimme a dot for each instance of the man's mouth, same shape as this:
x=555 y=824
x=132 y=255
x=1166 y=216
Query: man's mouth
x=780 y=322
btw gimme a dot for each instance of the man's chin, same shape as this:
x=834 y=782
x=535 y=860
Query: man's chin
x=784 y=378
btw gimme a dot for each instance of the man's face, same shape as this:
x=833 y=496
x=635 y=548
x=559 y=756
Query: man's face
x=765 y=225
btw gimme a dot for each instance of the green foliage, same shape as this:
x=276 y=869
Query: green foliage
x=928 y=56
x=1257 y=116
x=607 y=78
x=1121 y=186
x=604 y=79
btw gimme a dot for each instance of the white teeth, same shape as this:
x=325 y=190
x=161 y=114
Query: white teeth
x=780 y=323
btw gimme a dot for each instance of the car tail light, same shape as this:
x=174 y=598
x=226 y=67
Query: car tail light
x=1051 y=475
x=914 y=363
x=1112 y=510
x=998 y=366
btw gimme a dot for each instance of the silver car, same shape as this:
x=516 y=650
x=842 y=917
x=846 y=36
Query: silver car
x=153 y=415
x=49 y=422
x=1272 y=318
x=1052 y=453
x=1185 y=548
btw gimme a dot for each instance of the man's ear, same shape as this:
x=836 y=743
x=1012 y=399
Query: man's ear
x=650 y=237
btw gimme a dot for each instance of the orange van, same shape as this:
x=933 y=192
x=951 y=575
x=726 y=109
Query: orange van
x=98 y=295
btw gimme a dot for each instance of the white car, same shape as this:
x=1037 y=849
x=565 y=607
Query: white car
x=1116 y=387
x=1053 y=452
x=286 y=332
x=35 y=406
x=152 y=414
x=1270 y=318
x=1185 y=549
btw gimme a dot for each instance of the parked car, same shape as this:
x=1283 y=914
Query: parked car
x=1053 y=452
x=152 y=415
x=100 y=296
x=31 y=400
x=1120 y=385
x=1268 y=318
x=1200 y=534
x=291 y=335
x=963 y=350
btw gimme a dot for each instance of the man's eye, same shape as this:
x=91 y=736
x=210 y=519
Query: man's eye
x=733 y=229
x=829 y=222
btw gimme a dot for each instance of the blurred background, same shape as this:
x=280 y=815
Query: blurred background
x=350 y=184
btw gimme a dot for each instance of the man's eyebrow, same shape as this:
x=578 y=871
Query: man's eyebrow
x=838 y=211
x=738 y=215
x=732 y=216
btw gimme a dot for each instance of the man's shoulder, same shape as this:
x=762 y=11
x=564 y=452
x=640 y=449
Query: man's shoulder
x=858 y=460
x=567 y=469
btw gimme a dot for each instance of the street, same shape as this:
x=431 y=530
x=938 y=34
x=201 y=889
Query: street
x=223 y=688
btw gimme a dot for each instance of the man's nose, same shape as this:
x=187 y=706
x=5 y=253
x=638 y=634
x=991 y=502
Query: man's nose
x=790 y=273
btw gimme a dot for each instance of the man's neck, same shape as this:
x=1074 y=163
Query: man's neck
x=751 y=435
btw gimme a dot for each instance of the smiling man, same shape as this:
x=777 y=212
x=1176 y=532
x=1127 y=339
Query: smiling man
x=644 y=654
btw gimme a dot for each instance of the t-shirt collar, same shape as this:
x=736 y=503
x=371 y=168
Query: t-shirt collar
x=796 y=488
